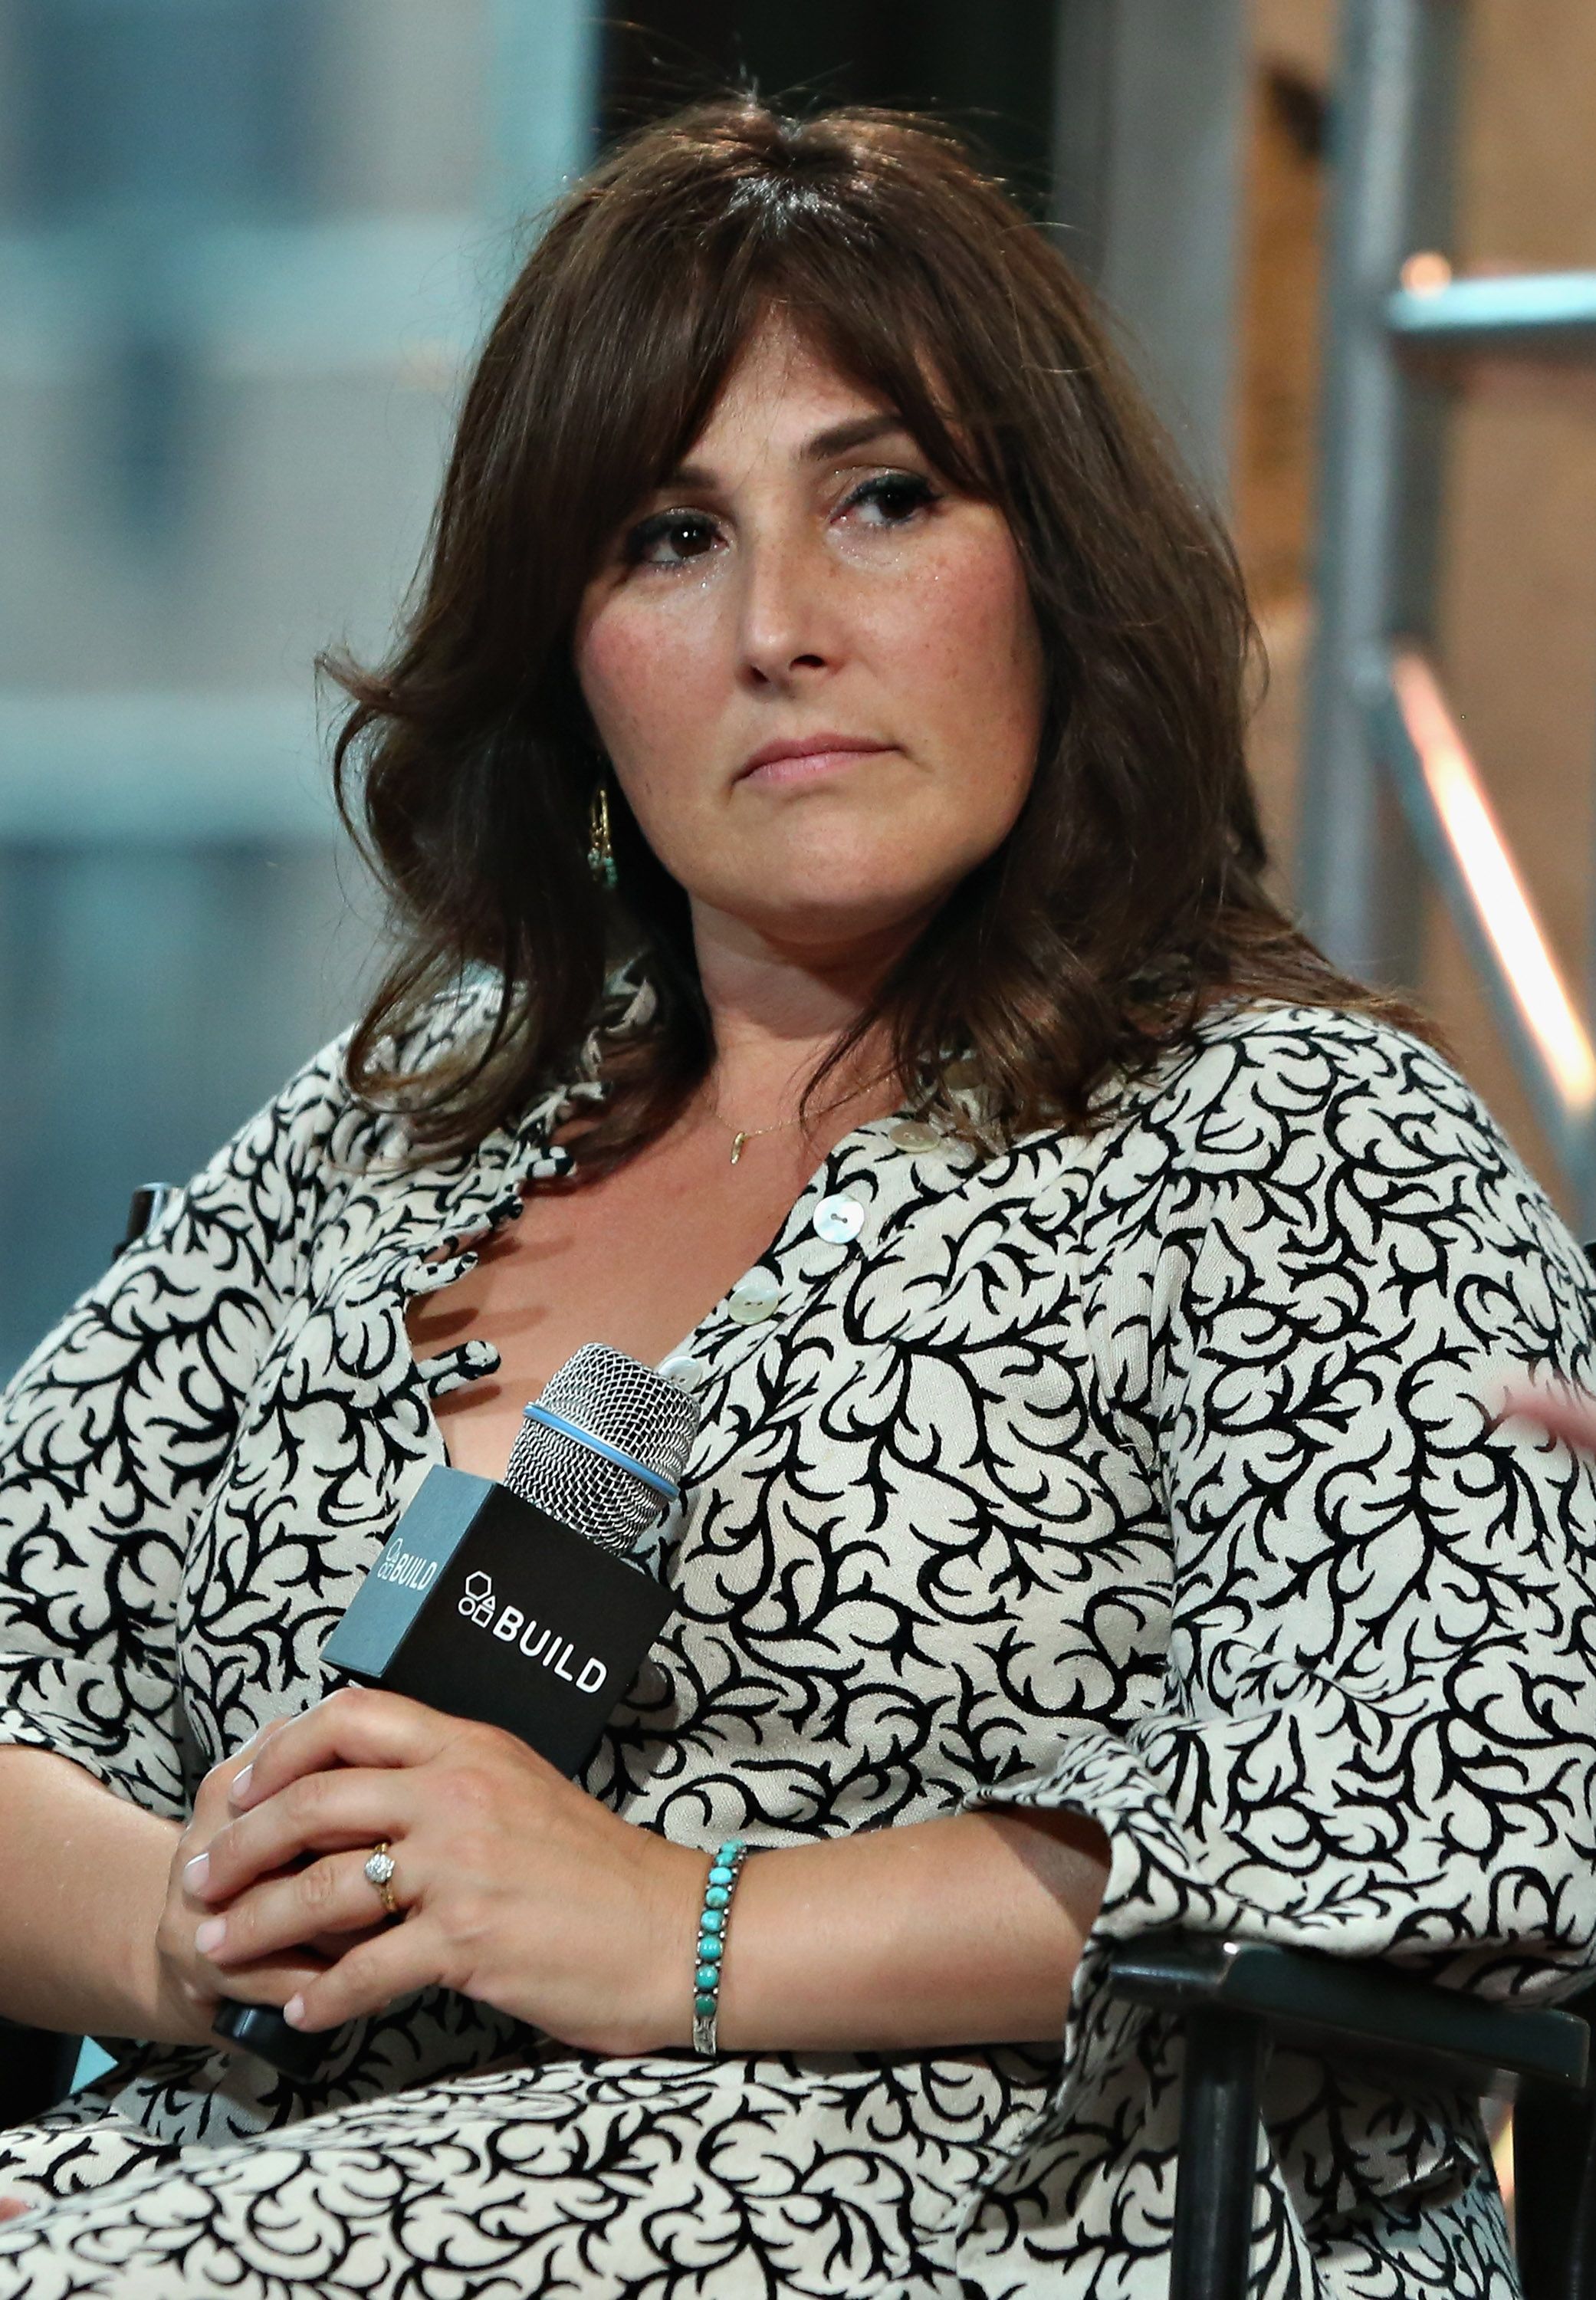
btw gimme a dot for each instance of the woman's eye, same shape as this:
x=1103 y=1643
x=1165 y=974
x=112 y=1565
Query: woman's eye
x=892 y=499
x=669 y=538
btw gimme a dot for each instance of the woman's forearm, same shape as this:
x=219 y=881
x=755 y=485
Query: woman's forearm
x=518 y=1889
x=84 y=1880
x=950 y=1932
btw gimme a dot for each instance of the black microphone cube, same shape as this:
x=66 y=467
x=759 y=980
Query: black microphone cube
x=485 y=1608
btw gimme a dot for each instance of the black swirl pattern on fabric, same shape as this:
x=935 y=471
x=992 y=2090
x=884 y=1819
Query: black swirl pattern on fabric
x=1152 y=1474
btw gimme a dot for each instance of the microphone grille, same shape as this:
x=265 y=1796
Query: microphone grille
x=625 y=1405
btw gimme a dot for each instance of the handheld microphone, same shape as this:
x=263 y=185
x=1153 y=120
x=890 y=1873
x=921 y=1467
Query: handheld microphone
x=518 y=1604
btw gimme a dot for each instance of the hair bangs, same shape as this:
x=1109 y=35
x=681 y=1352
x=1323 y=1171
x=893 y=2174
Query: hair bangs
x=783 y=249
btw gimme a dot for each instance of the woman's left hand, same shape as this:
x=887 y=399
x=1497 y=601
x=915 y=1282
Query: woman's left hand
x=516 y=1887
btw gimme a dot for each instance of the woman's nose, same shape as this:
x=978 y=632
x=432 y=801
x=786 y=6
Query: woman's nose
x=790 y=616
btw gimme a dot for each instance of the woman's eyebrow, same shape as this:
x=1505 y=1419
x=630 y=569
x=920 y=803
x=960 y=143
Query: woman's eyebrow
x=842 y=436
x=838 y=440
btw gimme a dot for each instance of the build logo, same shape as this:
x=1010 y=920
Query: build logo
x=512 y=1626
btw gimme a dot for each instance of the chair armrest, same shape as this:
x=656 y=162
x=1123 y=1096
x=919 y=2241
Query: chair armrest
x=146 y=1207
x=37 y=2067
x=1554 y=2170
x=1354 y=2006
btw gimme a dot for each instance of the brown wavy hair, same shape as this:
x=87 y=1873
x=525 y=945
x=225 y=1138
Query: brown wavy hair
x=1130 y=893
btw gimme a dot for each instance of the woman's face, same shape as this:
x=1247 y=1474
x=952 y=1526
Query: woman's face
x=813 y=664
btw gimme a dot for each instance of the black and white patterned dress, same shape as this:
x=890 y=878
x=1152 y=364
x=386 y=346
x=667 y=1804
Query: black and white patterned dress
x=1150 y=1473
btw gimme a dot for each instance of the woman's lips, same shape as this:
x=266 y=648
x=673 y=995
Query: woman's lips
x=809 y=765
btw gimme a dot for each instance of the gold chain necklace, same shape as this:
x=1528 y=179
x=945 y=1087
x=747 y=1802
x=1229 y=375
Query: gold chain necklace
x=741 y=1134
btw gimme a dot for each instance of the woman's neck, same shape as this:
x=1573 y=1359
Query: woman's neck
x=776 y=1013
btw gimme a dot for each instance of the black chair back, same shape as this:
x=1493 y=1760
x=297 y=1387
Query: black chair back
x=1235 y=2000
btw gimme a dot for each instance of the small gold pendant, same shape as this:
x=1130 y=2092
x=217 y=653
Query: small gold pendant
x=737 y=1142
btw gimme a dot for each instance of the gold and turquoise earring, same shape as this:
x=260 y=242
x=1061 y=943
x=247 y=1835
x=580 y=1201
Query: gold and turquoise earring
x=601 y=855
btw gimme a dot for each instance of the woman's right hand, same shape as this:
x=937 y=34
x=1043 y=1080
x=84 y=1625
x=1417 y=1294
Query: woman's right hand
x=186 y=1985
x=1562 y=1413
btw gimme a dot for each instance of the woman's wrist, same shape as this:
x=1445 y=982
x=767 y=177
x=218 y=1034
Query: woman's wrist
x=714 y=1925
x=161 y=2010
x=939 y=1934
x=655 y=2014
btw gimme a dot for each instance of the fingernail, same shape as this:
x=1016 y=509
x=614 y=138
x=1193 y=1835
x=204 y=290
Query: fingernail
x=211 y=1935
x=294 y=2011
x=240 y=1788
x=196 y=1872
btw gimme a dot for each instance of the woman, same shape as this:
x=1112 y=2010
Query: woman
x=1094 y=1522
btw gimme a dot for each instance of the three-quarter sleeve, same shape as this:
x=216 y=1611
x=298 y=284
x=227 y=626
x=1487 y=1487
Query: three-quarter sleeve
x=1377 y=1729
x=115 y=1430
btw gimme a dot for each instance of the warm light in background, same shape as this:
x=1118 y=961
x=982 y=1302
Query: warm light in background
x=1426 y=274
x=1501 y=902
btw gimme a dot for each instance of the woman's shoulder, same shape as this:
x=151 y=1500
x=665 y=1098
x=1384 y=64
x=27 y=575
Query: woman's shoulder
x=451 y=1029
x=1256 y=1078
x=364 y=1125
x=321 y=1117
x=1249 y=1087
x=1323 y=1132
x=1272 y=1107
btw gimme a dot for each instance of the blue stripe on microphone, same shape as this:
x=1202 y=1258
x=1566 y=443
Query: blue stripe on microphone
x=651 y=1477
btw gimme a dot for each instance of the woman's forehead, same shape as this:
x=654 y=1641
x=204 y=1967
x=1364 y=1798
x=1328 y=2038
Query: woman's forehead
x=786 y=392
x=787 y=378
x=790 y=388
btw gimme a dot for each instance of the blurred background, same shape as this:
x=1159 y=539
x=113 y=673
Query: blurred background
x=247 y=247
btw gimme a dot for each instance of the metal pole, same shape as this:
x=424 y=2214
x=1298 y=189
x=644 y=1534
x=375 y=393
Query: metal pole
x=1211 y=2256
x=1149 y=103
x=1339 y=862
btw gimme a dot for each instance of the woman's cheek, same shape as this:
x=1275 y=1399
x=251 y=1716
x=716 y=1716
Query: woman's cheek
x=649 y=681
x=979 y=619
x=617 y=672
x=967 y=661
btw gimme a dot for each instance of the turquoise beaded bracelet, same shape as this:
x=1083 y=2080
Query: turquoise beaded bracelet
x=719 y=1886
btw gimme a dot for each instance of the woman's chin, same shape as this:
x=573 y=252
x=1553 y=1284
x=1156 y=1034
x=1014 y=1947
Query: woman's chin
x=809 y=917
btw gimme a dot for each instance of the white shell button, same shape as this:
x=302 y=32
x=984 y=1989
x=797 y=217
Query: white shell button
x=911 y=1134
x=684 y=1372
x=839 y=1220
x=755 y=1295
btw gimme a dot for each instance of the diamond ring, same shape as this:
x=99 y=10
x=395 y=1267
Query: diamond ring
x=380 y=1873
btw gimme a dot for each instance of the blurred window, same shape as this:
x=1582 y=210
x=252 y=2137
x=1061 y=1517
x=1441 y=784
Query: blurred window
x=245 y=248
